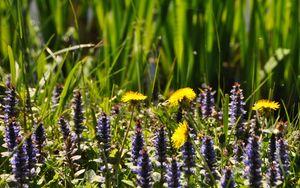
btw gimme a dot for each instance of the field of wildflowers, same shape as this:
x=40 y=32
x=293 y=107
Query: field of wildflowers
x=157 y=93
x=185 y=140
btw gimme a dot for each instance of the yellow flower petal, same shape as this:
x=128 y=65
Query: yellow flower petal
x=180 y=135
x=263 y=104
x=180 y=94
x=133 y=96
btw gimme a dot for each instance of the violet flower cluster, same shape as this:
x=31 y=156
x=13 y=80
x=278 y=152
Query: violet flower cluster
x=253 y=162
x=12 y=133
x=227 y=180
x=188 y=155
x=39 y=137
x=208 y=153
x=78 y=116
x=161 y=148
x=236 y=109
x=282 y=152
x=103 y=133
x=19 y=164
x=144 y=170
x=173 y=174
x=31 y=151
x=65 y=129
x=137 y=142
x=207 y=103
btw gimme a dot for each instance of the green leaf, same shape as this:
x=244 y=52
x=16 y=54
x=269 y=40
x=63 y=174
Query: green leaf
x=12 y=64
x=129 y=183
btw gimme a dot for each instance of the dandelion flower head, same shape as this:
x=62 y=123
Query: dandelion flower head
x=180 y=94
x=180 y=135
x=132 y=96
x=265 y=105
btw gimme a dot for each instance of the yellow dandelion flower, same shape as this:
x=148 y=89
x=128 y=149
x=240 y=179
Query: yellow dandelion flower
x=180 y=94
x=180 y=135
x=132 y=96
x=265 y=105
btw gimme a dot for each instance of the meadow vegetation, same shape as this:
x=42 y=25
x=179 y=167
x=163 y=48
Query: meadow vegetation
x=159 y=93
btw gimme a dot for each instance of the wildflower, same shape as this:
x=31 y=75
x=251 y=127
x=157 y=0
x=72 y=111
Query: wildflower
x=273 y=174
x=283 y=156
x=19 y=164
x=208 y=153
x=144 y=171
x=255 y=128
x=253 y=162
x=181 y=94
x=40 y=138
x=236 y=109
x=272 y=149
x=188 y=155
x=64 y=127
x=227 y=180
x=56 y=94
x=10 y=103
x=78 y=116
x=265 y=105
x=180 y=135
x=173 y=174
x=103 y=133
x=12 y=132
x=69 y=152
x=31 y=154
x=208 y=107
x=132 y=96
x=137 y=142
x=161 y=147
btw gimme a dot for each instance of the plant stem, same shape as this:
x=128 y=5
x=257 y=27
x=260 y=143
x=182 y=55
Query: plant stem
x=123 y=144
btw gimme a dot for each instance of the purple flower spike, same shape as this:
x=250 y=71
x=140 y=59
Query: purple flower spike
x=227 y=180
x=19 y=164
x=103 y=133
x=236 y=109
x=273 y=174
x=12 y=132
x=40 y=139
x=78 y=116
x=208 y=153
x=65 y=129
x=144 y=171
x=253 y=162
x=272 y=149
x=208 y=107
x=31 y=151
x=56 y=94
x=137 y=142
x=188 y=155
x=283 y=156
x=161 y=147
x=173 y=174
x=10 y=103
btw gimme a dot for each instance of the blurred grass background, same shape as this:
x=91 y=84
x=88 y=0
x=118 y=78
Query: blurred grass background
x=154 y=46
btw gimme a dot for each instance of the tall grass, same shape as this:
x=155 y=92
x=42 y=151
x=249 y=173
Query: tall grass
x=186 y=43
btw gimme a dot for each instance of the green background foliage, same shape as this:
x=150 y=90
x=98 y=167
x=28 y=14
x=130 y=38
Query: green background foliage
x=158 y=44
